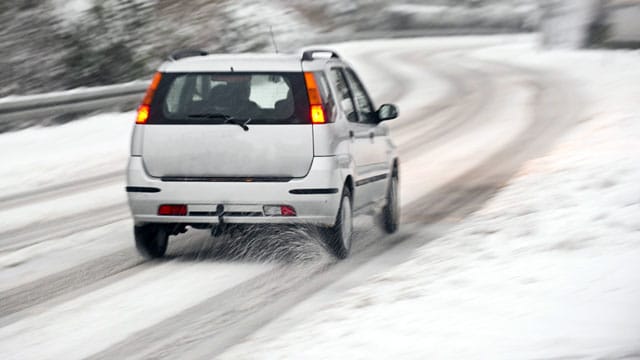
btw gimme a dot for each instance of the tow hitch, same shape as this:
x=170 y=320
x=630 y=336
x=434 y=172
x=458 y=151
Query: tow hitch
x=219 y=229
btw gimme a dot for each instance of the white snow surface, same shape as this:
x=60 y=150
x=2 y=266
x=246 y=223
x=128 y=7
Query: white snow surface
x=549 y=268
x=130 y=305
x=48 y=257
x=44 y=156
x=41 y=157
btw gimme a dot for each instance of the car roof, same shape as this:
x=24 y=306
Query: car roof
x=244 y=62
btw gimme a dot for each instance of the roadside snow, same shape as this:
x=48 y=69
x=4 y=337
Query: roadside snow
x=549 y=268
x=38 y=158
x=44 y=156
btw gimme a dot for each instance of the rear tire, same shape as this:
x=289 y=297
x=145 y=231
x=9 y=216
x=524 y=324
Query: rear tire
x=390 y=216
x=151 y=240
x=340 y=235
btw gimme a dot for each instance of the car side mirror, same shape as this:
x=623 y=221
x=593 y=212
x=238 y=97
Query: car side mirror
x=387 y=112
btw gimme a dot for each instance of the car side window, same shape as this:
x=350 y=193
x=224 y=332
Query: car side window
x=172 y=103
x=362 y=101
x=344 y=94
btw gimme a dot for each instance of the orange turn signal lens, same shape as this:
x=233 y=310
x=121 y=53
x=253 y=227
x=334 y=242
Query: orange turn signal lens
x=315 y=100
x=151 y=90
x=312 y=89
x=143 y=110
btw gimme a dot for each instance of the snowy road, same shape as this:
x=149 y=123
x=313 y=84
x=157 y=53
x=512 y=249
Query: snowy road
x=72 y=286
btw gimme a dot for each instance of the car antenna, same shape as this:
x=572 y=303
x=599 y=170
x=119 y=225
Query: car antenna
x=273 y=39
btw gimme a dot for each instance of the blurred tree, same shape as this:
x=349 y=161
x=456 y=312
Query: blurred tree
x=598 y=28
x=108 y=46
x=32 y=44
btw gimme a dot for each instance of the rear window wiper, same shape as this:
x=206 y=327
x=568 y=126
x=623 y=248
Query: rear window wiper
x=228 y=119
x=240 y=122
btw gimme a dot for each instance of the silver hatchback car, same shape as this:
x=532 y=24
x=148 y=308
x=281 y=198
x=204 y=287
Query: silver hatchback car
x=225 y=140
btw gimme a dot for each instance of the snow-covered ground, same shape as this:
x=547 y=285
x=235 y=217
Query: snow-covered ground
x=44 y=156
x=548 y=269
x=41 y=157
x=93 y=315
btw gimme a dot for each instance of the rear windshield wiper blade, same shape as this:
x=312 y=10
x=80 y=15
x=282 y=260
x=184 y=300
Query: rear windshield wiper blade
x=228 y=119
x=240 y=122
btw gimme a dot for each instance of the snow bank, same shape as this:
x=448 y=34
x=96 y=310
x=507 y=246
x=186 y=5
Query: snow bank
x=549 y=268
x=43 y=156
x=497 y=15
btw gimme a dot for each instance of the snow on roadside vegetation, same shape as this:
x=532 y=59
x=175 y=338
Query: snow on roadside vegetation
x=254 y=20
x=549 y=268
x=498 y=15
x=71 y=9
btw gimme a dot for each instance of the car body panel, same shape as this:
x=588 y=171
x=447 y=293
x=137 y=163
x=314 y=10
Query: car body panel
x=228 y=150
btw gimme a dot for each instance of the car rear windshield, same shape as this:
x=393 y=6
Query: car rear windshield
x=213 y=98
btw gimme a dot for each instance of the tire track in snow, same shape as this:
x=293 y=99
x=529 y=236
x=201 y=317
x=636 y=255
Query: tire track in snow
x=230 y=316
x=60 y=190
x=555 y=111
x=78 y=277
x=63 y=226
x=137 y=301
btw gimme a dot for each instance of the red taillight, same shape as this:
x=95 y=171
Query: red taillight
x=143 y=110
x=315 y=100
x=172 y=210
x=279 y=210
x=286 y=210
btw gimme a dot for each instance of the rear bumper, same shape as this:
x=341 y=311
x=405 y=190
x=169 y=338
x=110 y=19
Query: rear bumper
x=315 y=198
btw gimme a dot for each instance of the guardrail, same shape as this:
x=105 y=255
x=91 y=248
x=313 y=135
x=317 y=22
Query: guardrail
x=16 y=112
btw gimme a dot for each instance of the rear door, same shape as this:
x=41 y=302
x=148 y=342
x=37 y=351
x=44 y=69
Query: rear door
x=376 y=143
x=227 y=125
x=360 y=139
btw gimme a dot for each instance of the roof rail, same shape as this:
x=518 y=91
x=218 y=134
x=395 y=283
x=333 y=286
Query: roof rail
x=309 y=54
x=185 y=53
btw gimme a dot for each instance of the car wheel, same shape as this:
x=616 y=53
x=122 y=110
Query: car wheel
x=390 y=215
x=339 y=237
x=151 y=240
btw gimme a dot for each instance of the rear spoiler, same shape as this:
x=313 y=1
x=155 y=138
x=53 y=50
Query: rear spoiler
x=308 y=55
x=185 y=53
